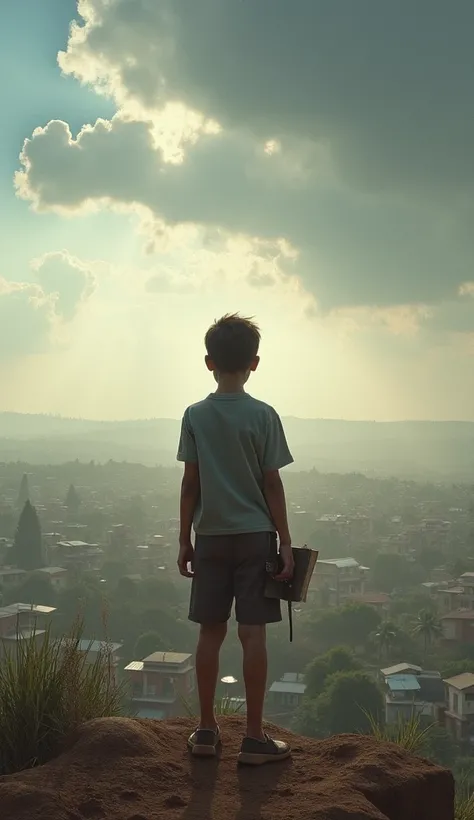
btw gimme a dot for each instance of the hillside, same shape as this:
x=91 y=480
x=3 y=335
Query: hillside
x=123 y=769
x=432 y=450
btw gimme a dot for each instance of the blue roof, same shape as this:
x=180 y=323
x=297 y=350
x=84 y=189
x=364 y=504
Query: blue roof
x=405 y=683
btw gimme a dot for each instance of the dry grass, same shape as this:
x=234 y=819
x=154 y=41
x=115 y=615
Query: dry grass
x=47 y=690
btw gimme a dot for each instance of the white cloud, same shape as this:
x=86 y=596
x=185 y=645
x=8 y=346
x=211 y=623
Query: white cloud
x=68 y=280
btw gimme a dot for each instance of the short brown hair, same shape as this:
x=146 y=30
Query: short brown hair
x=232 y=343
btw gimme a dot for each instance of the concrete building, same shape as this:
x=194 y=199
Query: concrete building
x=459 y=716
x=161 y=684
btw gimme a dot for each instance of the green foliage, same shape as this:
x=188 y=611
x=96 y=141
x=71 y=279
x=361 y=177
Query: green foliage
x=113 y=571
x=427 y=626
x=24 y=492
x=47 y=690
x=410 y=734
x=73 y=500
x=349 y=625
x=27 y=546
x=338 y=659
x=346 y=702
x=37 y=589
x=453 y=668
x=148 y=643
x=386 y=638
x=393 y=571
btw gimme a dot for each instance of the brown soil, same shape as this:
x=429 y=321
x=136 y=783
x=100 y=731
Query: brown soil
x=124 y=769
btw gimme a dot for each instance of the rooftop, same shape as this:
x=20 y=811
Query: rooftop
x=340 y=563
x=288 y=688
x=51 y=570
x=15 y=609
x=464 y=681
x=399 y=669
x=175 y=658
x=459 y=615
x=403 y=683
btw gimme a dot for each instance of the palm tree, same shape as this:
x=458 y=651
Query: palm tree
x=386 y=637
x=427 y=626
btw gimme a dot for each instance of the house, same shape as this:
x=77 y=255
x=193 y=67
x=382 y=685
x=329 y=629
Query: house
x=411 y=691
x=286 y=694
x=19 y=622
x=378 y=600
x=79 y=555
x=458 y=626
x=459 y=716
x=11 y=576
x=161 y=684
x=337 y=579
x=57 y=575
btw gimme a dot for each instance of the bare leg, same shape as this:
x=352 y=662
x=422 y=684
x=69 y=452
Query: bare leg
x=253 y=640
x=207 y=670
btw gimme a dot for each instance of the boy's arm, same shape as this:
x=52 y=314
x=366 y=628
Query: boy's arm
x=277 y=455
x=274 y=493
x=190 y=490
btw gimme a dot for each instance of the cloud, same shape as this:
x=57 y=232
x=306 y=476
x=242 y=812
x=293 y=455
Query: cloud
x=26 y=319
x=68 y=280
x=34 y=316
x=344 y=130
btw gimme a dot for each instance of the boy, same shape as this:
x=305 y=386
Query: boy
x=233 y=447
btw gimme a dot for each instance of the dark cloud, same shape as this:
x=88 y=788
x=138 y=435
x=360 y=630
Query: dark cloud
x=372 y=103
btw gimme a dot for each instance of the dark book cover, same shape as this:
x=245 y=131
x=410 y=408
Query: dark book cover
x=295 y=590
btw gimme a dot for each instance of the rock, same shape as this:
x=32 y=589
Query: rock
x=125 y=769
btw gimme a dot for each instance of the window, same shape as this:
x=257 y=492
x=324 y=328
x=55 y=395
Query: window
x=151 y=689
x=455 y=703
x=469 y=696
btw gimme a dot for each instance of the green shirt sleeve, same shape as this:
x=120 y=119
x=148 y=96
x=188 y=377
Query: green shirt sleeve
x=276 y=453
x=187 y=450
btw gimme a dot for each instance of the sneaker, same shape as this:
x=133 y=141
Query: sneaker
x=204 y=742
x=255 y=752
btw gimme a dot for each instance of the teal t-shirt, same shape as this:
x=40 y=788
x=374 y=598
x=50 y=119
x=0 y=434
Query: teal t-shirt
x=234 y=438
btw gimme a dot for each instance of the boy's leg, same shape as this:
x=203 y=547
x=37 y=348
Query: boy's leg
x=207 y=670
x=211 y=604
x=254 y=611
x=254 y=645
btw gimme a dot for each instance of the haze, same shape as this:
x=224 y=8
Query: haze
x=305 y=162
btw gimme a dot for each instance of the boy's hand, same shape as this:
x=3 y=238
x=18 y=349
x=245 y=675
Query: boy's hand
x=186 y=558
x=286 y=553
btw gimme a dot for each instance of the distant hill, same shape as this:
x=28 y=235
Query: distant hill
x=441 y=451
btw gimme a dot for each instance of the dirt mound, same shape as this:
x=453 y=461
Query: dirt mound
x=124 y=769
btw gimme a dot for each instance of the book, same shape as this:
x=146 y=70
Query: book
x=296 y=590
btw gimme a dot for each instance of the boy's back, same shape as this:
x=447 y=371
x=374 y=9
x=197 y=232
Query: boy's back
x=234 y=439
x=232 y=447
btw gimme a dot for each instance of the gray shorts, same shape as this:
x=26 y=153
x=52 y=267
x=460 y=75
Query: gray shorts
x=228 y=567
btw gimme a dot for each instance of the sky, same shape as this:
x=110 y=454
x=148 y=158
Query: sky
x=308 y=163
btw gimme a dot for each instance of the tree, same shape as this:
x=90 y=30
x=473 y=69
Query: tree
x=73 y=501
x=350 y=625
x=395 y=572
x=346 y=703
x=27 y=546
x=386 y=637
x=427 y=626
x=148 y=643
x=113 y=571
x=338 y=659
x=37 y=589
x=24 y=492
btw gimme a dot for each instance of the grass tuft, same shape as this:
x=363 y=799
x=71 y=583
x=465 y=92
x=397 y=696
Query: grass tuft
x=48 y=688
